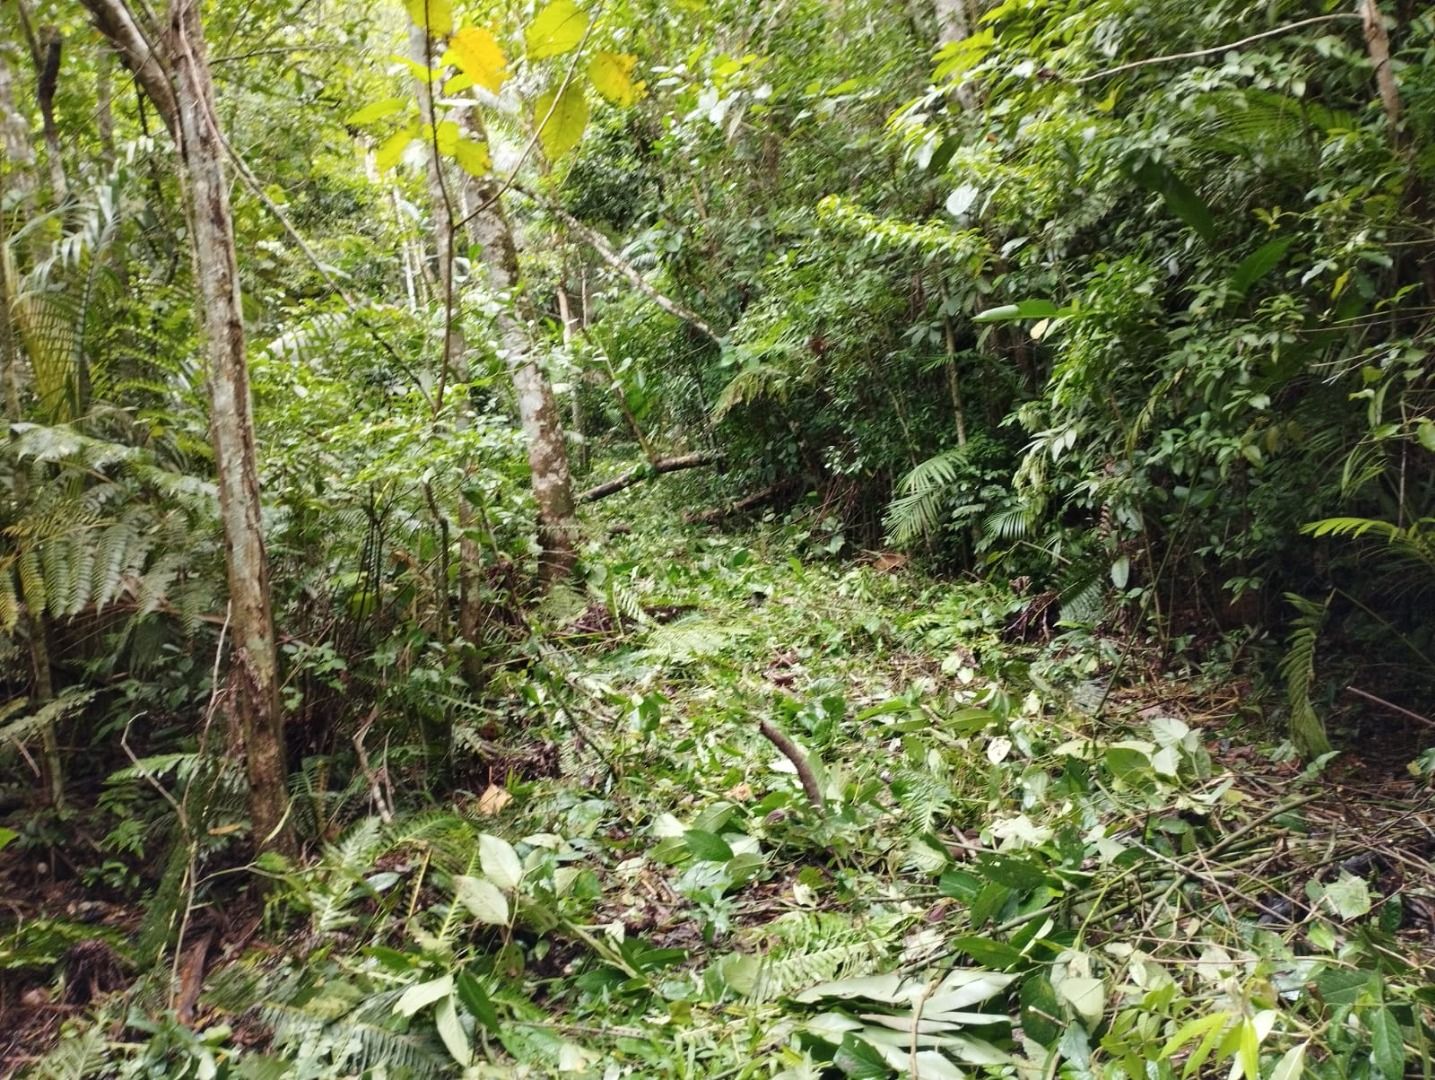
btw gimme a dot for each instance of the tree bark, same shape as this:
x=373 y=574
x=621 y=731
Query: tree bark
x=1377 y=43
x=169 y=62
x=537 y=410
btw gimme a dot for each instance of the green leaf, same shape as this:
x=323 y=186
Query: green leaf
x=450 y=1030
x=555 y=30
x=375 y=110
x=476 y=1000
x=988 y=953
x=564 y=127
x=425 y=993
x=1348 y=896
x=1292 y=1063
x=472 y=157
x=1040 y=1010
x=482 y=898
x=1425 y=432
x=612 y=76
x=1011 y=871
x=1179 y=197
x=1023 y=309
x=860 y=1061
x=709 y=847
x=478 y=54
x=1259 y=263
x=1387 y=1045
x=1087 y=996
x=6 y=836
x=391 y=150
x=437 y=15
x=500 y=862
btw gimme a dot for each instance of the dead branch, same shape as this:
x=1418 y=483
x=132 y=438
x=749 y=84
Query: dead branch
x=799 y=761
x=642 y=472
x=740 y=506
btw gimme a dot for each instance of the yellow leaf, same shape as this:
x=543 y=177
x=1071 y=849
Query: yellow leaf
x=472 y=157
x=555 y=30
x=480 y=56
x=564 y=128
x=493 y=800
x=445 y=136
x=612 y=75
x=437 y=15
x=391 y=150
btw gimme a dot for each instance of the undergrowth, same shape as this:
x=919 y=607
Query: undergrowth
x=1006 y=875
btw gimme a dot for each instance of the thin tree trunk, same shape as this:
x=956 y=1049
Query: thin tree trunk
x=954 y=24
x=104 y=104
x=537 y=411
x=575 y=402
x=254 y=674
x=1377 y=43
x=455 y=355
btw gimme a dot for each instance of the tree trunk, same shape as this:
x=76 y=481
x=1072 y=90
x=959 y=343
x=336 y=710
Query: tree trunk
x=537 y=411
x=455 y=355
x=254 y=674
x=575 y=401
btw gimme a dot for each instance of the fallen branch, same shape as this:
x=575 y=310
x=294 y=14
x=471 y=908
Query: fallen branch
x=1397 y=709
x=642 y=472
x=799 y=761
x=599 y=243
x=741 y=506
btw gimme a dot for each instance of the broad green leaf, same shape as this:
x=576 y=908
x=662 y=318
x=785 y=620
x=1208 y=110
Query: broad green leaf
x=6 y=836
x=437 y=15
x=1023 y=309
x=450 y=1030
x=1259 y=263
x=1179 y=198
x=375 y=110
x=1011 y=871
x=555 y=30
x=989 y=953
x=1194 y=1029
x=1292 y=1063
x=482 y=899
x=860 y=1061
x=562 y=130
x=472 y=157
x=1425 y=432
x=500 y=862
x=478 y=55
x=1040 y=1010
x=1348 y=896
x=391 y=150
x=1086 y=996
x=612 y=75
x=445 y=137
x=709 y=847
x=476 y=1000
x=1387 y=1045
x=425 y=993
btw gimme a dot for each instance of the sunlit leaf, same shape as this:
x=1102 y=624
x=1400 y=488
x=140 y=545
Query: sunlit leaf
x=500 y=862
x=450 y=1030
x=426 y=993
x=478 y=53
x=473 y=158
x=391 y=150
x=437 y=15
x=482 y=898
x=376 y=110
x=555 y=30
x=612 y=76
x=562 y=130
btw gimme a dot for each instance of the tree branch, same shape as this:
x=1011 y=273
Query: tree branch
x=599 y=243
x=115 y=22
x=799 y=761
x=641 y=472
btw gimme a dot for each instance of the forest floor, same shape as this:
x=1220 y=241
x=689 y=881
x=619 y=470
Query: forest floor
x=994 y=862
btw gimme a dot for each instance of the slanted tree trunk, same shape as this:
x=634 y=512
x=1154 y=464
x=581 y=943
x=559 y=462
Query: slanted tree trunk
x=169 y=62
x=537 y=410
x=954 y=24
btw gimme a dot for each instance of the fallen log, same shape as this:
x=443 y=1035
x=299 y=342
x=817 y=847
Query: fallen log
x=645 y=470
x=741 y=506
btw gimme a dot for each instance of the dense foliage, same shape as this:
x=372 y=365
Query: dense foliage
x=828 y=537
